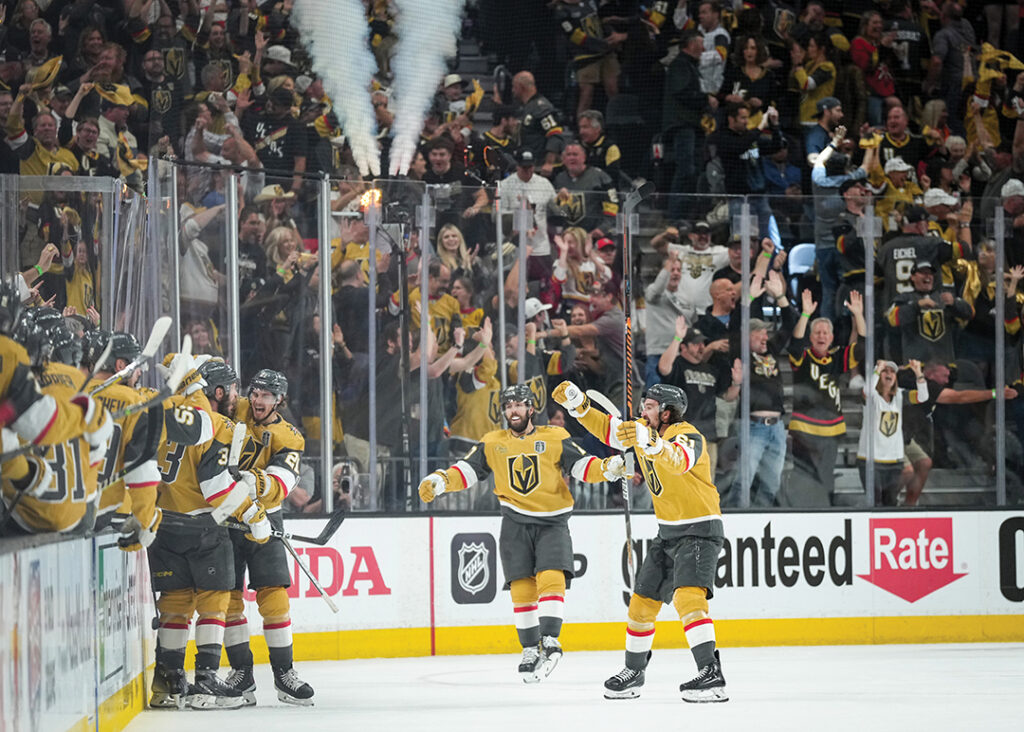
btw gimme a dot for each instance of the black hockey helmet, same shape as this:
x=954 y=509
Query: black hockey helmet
x=517 y=393
x=64 y=347
x=10 y=306
x=32 y=337
x=93 y=343
x=45 y=317
x=269 y=380
x=668 y=397
x=217 y=373
x=125 y=346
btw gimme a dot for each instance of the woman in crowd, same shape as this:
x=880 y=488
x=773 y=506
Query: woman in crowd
x=748 y=79
x=577 y=268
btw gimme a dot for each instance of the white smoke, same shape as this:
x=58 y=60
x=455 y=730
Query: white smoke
x=427 y=33
x=337 y=36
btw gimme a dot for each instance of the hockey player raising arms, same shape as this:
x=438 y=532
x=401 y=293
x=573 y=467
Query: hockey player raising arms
x=680 y=565
x=535 y=546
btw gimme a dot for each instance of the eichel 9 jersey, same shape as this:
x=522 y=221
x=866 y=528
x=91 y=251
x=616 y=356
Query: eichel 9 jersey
x=196 y=478
x=63 y=506
x=127 y=444
x=47 y=421
x=528 y=472
x=679 y=477
x=276 y=449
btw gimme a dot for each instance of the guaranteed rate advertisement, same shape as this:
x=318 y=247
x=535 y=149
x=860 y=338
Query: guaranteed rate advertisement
x=781 y=578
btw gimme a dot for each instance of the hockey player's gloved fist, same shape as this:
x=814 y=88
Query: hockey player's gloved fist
x=40 y=477
x=572 y=398
x=252 y=482
x=614 y=468
x=134 y=536
x=639 y=435
x=259 y=524
x=431 y=487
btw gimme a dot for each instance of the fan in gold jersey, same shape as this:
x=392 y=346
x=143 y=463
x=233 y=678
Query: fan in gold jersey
x=528 y=463
x=680 y=565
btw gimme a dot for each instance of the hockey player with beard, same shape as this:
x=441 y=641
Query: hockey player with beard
x=272 y=454
x=528 y=463
x=679 y=567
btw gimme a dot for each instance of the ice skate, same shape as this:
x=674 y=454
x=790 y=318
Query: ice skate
x=706 y=686
x=170 y=688
x=291 y=689
x=242 y=681
x=625 y=684
x=210 y=692
x=551 y=654
x=530 y=665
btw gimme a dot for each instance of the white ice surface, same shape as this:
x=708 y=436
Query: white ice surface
x=902 y=688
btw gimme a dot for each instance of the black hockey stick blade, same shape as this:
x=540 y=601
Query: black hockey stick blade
x=325 y=535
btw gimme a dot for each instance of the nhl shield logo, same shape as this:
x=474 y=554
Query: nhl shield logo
x=474 y=569
x=473 y=572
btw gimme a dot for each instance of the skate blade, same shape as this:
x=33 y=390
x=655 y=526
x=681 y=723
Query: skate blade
x=624 y=694
x=207 y=702
x=159 y=700
x=289 y=699
x=530 y=677
x=250 y=698
x=705 y=696
x=549 y=664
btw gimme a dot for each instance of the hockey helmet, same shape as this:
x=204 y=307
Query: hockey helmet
x=217 y=373
x=93 y=343
x=32 y=338
x=269 y=380
x=64 y=347
x=670 y=398
x=125 y=346
x=517 y=393
x=10 y=306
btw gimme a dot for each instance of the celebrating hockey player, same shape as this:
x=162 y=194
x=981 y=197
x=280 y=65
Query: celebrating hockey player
x=680 y=565
x=272 y=455
x=536 y=549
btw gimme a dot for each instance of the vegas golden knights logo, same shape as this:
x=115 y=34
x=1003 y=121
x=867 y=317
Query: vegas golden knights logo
x=931 y=324
x=653 y=482
x=888 y=423
x=161 y=101
x=540 y=394
x=696 y=268
x=494 y=409
x=523 y=473
x=174 y=62
x=250 y=451
x=574 y=208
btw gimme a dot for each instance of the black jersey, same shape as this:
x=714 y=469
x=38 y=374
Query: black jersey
x=702 y=382
x=540 y=128
x=817 y=406
x=897 y=256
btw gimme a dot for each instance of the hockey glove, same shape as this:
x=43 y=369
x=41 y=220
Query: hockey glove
x=134 y=537
x=569 y=396
x=251 y=483
x=259 y=524
x=614 y=468
x=432 y=486
x=638 y=435
x=39 y=479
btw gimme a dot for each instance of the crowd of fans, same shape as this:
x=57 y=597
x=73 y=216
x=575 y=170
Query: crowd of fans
x=813 y=114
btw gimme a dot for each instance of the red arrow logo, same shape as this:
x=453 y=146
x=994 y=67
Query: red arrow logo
x=911 y=557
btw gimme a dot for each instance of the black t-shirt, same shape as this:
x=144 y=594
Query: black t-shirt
x=278 y=141
x=702 y=382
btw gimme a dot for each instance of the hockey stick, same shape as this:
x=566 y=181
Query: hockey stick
x=205 y=521
x=305 y=571
x=220 y=514
x=606 y=404
x=156 y=337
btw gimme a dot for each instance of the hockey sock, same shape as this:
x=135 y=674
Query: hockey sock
x=640 y=630
x=236 y=633
x=551 y=601
x=692 y=605
x=277 y=625
x=175 y=608
x=212 y=607
x=524 y=607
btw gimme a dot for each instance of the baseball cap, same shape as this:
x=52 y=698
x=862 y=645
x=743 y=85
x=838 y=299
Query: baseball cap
x=922 y=264
x=605 y=242
x=452 y=79
x=278 y=53
x=848 y=184
x=694 y=336
x=702 y=227
x=938 y=197
x=534 y=306
x=897 y=165
x=1012 y=187
x=915 y=214
x=825 y=104
x=890 y=365
x=302 y=83
x=524 y=158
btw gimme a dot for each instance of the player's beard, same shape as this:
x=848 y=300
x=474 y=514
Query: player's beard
x=523 y=425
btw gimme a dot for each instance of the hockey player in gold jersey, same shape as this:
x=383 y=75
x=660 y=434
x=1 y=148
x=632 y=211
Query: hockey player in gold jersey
x=62 y=496
x=528 y=463
x=272 y=454
x=680 y=565
x=194 y=568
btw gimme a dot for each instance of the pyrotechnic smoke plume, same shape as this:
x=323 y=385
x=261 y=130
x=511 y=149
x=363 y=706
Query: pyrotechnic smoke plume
x=336 y=33
x=427 y=33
